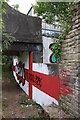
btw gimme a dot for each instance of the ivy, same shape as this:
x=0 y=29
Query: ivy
x=9 y=38
x=60 y=13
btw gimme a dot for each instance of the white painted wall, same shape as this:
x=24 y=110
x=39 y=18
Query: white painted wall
x=15 y=60
x=46 y=51
x=37 y=95
x=40 y=67
x=46 y=40
x=42 y=98
x=24 y=57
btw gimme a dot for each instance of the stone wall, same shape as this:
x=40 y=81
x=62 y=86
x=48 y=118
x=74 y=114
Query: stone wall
x=70 y=60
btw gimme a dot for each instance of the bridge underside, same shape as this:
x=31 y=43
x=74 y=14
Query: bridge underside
x=25 y=29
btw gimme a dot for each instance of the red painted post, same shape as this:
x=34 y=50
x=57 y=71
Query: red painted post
x=30 y=68
x=30 y=60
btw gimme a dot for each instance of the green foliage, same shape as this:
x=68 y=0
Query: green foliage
x=57 y=50
x=2 y=6
x=9 y=38
x=16 y=6
x=26 y=101
x=61 y=102
x=4 y=104
x=41 y=115
x=6 y=63
x=57 y=14
x=6 y=59
x=48 y=11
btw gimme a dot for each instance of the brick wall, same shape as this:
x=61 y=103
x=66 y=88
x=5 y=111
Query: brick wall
x=70 y=60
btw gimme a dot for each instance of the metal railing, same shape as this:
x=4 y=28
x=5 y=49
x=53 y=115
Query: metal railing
x=50 y=33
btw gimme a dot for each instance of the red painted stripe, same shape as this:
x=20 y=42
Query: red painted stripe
x=14 y=68
x=30 y=68
x=46 y=83
x=51 y=85
x=30 y=60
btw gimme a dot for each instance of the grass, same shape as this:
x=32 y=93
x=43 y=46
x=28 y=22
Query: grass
x=4 y=105
x=25 y=101
x=6 y=73
x=0 y=104
x=41 y=115
x=0 y=70
x=34 y=116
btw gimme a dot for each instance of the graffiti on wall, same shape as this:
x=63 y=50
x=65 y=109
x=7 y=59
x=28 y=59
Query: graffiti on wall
x=64 y=83
x=53 y=58
x=46 y=83
x=32 y=77
x=52 y=85
x=23 y=74
x=20 y=73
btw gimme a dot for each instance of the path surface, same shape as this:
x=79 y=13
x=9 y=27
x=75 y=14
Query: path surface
x=12 y=96
x=55 y=112
x=0 y=97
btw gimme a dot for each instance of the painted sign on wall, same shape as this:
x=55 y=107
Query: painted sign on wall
x=45 y=83
x=51 y=85
x=40 y=86
x=53 y=58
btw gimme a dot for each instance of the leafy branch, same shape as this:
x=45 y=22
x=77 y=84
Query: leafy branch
x=9 y=38
x=57 y=14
